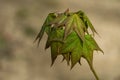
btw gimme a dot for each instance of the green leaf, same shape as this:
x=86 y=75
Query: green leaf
x=92 y=43
x=74 y=23
x=49 y=18
x=56 y=35
x=90 y=25
x=69 y=43
x=79 y=26
x=76 y=55
x=89 y=45
x=87 y=52
x=72 y=45
x=55 y=42
x=68 y=26
x=55 y=51
x=86 y=21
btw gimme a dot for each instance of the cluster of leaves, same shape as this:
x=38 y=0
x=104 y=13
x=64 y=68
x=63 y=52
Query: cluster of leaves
x=68 y=36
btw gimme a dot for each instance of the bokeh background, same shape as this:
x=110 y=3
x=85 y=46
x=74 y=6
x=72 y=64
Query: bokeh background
x=20 y=22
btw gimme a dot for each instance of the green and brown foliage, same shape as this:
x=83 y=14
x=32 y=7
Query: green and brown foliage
x=68 y=36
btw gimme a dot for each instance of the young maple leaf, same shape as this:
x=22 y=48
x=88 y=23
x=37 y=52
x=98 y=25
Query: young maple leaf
x=68 y=36
x=55 y=42
x=72 y=46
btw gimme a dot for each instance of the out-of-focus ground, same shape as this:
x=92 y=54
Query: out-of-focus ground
x=20 y=22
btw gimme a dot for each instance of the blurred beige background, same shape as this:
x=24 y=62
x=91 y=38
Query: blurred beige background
x=20 y=22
